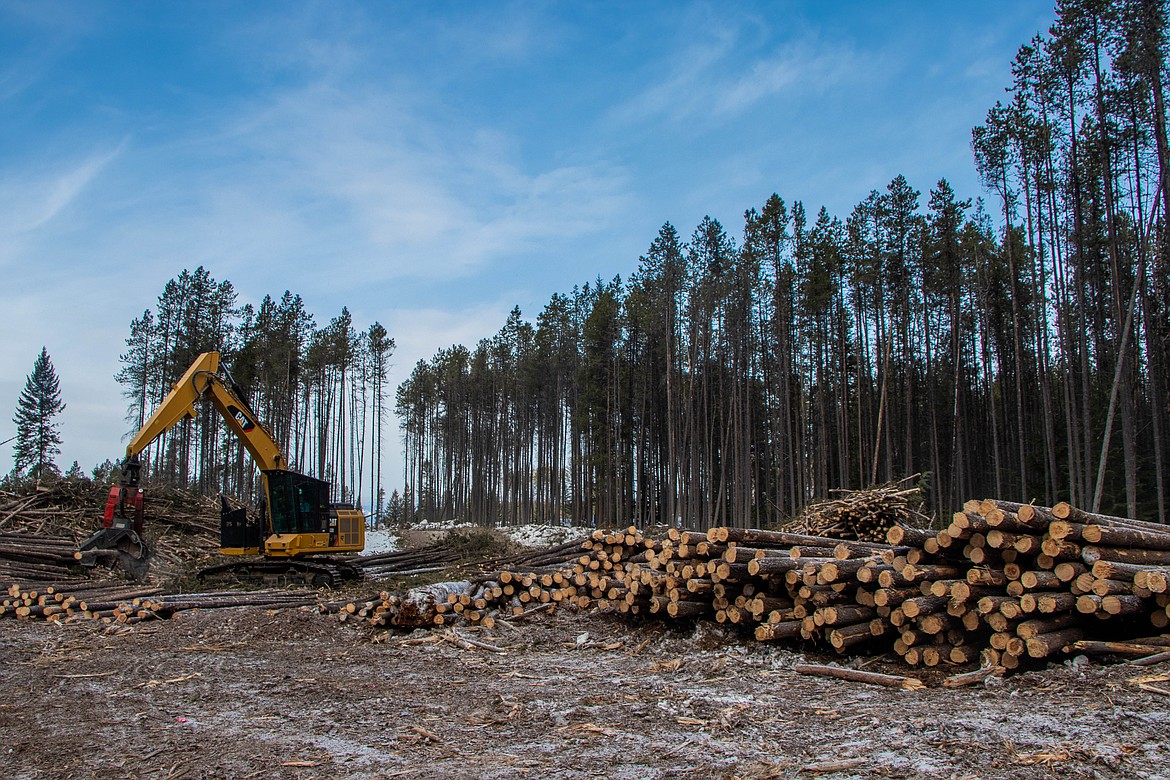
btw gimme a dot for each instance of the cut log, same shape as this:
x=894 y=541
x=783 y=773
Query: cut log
x=855 y=675
x=971 y=678
x=1124 y=537
x=1043 y=645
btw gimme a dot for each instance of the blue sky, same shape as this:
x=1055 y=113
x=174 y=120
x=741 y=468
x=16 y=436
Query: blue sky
x=430 y=165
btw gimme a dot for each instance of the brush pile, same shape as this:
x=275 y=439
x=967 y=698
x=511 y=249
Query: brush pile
x=863 y=514
x=182 y=526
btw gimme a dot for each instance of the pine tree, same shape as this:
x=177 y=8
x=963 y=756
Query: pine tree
x=37 y=439
x=395 y=508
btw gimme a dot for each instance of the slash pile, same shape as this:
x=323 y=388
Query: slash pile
x=863 y=514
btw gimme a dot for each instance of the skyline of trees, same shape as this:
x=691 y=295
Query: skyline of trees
x=733 y=381
x=1014 y=347
x=320 y=390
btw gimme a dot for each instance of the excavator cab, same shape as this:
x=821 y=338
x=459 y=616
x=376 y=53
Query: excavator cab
x=296 y=518
x=297 y=504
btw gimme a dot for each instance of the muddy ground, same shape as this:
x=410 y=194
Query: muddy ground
x=246 y=693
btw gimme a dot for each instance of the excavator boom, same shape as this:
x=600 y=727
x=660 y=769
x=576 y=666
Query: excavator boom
x=200 y=381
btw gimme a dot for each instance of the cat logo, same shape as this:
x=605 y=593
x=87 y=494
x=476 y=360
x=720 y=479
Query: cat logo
x=246 y=424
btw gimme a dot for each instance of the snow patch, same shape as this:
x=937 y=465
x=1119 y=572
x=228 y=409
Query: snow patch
x=543 y=535
x=382 y=540
x=534 y=536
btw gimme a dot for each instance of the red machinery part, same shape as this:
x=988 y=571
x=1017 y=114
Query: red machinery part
x=120 y=501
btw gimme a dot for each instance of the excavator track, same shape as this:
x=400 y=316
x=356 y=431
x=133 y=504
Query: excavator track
x=318 y=572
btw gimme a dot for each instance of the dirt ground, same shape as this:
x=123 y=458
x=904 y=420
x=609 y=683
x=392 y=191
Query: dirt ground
x=246 y=693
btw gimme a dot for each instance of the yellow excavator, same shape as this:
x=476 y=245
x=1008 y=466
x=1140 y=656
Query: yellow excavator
x=298 y=527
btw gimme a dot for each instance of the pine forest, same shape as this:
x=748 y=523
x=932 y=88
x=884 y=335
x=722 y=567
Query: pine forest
x=1013 y=345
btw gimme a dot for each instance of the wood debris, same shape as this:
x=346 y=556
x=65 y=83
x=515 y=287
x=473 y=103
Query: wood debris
x=864 y=514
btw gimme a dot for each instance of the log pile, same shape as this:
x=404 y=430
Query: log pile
x=35 y=557
x=576 y=573
x=167 y=606
x=67 y=600
x=780 y=586
x=1003 y=584
x=1028 y=582
x=115 y=601
x=559 y=555
x=418 y=560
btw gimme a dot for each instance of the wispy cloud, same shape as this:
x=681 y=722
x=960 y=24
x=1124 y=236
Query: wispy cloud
x=31 y=199
x=372 y=179
x=714 y=81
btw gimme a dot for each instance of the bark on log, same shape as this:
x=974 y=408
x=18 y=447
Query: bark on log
x=854 y=675
x=1043 y=645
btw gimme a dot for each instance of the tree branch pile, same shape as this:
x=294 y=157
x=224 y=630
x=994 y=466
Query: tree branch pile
x=181 y=526
x=863 y=514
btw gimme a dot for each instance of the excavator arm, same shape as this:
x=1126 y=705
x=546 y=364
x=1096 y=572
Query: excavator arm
x=201 y=381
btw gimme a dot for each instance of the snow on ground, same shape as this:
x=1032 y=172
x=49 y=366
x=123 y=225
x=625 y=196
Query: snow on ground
x=383 y=540
x=536 y=536
x=544 y=535
x=439 y=525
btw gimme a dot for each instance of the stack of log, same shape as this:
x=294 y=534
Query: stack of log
x=402 y=563
x=528 y=560
x=778 y=585
x=167 y=606
x=115 y=601
x=575 y=573
x=65 y=599
x=35 y=557
x=1004 y=583
x=1019 y=581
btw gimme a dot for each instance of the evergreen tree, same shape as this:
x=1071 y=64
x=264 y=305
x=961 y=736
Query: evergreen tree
x=394 y=508
x=37 y=439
